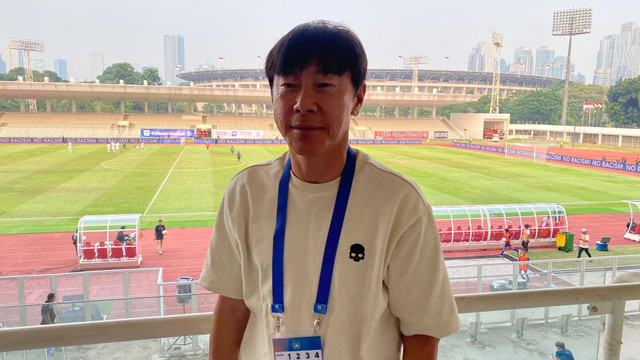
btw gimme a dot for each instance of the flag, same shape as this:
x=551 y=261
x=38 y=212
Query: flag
x=220 y=59
x=399 y=56
x=521 y=64
x=184 y=70
x=548 y=66
x=446 y=58
x=259 y=57
x=584 y=106
x=179 y=65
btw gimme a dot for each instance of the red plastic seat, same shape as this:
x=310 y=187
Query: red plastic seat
x=445 y=236
x=88 y=251
x=102 y=251
x=516 y=234
x=478 y=234
x=458 y=234
x=130 y=250
x=497 y=233
x=117 y=252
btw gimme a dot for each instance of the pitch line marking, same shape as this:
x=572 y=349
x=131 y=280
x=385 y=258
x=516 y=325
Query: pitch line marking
x=241 y=163
x=164 y=182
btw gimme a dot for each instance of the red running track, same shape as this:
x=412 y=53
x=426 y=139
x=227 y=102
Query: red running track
x=185 y=249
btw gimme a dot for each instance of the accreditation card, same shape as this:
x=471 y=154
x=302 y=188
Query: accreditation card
x=299 y=348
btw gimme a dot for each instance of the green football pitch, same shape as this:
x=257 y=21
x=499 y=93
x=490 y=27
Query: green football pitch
x=44 y=188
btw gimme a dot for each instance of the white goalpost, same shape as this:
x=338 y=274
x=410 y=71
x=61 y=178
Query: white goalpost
x=534 y=152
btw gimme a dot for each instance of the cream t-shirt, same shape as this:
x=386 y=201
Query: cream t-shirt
x=389 y=277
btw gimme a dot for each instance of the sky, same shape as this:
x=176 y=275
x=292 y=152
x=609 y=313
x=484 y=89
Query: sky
x=132 y=31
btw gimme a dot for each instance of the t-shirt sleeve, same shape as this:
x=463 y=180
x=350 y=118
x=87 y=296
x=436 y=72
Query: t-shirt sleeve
x=420 y=294
x=222 y=270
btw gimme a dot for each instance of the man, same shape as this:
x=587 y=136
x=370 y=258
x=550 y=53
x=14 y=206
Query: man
x=523 y=267
x=381 y=284
x=120 y=236
x=561 y=352
x=69 y=147
x=48 y=315
x=160 y=232
x=526 y=237
x=584 y=243
x=506 y=236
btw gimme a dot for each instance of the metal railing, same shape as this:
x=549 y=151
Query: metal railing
x=601 y=298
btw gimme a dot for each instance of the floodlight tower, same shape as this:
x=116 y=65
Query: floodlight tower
x=27 y=46
x=569 y=23
x=415 y=61
x=496 y=40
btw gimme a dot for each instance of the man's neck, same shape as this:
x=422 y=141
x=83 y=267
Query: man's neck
x=317 y=169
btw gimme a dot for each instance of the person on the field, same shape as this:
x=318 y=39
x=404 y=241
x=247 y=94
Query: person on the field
x=121 y=236
x=238 y=154
x=69 y=147
x=506 y=236
x=232 y=149
x=584 y=243
x=160 y=232
x=523 y=267
x=526 y=237
x=324 y=219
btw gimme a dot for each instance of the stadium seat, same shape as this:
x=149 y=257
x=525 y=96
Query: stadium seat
x=516 y=233
x=466 y=235
x=478 y=234
x=457 y=234
x=117 y=252
x=88 y=251
x=497 y=233
x=102 y=251
x=130 y=250
x=445 y=236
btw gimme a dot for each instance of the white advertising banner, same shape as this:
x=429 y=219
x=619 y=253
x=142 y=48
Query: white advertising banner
x=237 y=134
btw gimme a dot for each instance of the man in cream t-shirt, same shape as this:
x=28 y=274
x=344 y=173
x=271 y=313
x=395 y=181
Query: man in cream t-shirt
x=323 y=251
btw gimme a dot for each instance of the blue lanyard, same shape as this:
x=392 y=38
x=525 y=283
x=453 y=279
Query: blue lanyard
x=331 y=246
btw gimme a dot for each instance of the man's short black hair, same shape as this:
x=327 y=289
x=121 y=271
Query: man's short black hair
x=334 y=48
x=560 y=344
x=50 y=296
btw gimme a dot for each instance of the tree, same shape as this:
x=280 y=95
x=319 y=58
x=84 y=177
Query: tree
x=120 y=71
x=624 y=103
x=152 y=76
x=209 y=108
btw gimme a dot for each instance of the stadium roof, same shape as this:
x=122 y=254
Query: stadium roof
x=402 y=75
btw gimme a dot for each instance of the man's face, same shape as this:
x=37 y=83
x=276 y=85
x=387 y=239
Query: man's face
x=159 y=222
x=312 y=110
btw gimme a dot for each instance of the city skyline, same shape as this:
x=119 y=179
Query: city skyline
x=133 y=31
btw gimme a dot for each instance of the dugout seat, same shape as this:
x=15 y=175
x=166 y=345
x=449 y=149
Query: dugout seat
x=516 y=234
x=117 y=252
x=458 y=234
x=445 y=236
x=478 y=234
x=130 y=250
x=102 y=251
x=88 y=251
x=466 y=235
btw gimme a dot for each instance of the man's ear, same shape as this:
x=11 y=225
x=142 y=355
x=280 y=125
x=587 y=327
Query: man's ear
x=359 y=100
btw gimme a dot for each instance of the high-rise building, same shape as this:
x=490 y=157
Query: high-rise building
x=173 y=58
x=13 y=58
x=604 y=65
x=482 y=58
x=523 y=59
x=3 y=66
x=96 y=65
x=626 y=57
x=60 y=67
x=545 y=56
x=37 y=64
x=560 y=66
